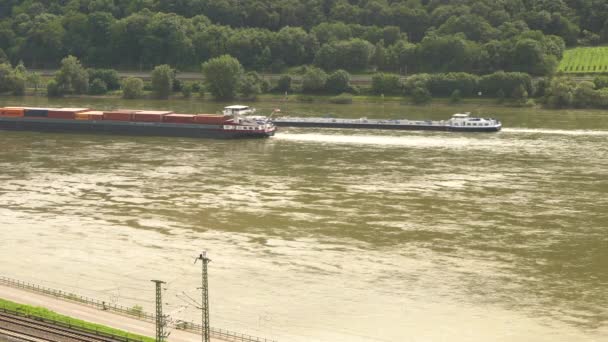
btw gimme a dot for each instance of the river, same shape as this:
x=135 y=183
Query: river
x=326 y=235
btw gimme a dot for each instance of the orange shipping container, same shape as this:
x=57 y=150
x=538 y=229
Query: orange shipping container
x=212 y=119
x=179 y=118
x=90 y=115
x=119 y=115
x=12 y=111
x=150 y=115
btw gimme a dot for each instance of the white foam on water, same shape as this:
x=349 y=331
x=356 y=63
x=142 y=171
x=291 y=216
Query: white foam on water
x=556 y=131
x=420 y=141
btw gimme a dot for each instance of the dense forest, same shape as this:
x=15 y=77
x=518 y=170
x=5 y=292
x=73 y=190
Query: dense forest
x=404 y=36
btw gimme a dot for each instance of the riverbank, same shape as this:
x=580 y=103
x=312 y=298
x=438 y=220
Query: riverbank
x=46 y=314
x=90 y=317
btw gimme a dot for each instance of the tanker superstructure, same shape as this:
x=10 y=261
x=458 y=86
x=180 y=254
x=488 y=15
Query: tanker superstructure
x=234 y=122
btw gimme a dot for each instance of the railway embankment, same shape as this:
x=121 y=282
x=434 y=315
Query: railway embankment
x=99 y=312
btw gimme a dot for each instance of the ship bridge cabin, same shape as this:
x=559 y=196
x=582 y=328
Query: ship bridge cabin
x=237 y=110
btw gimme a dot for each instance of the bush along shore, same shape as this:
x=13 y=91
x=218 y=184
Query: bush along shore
x=225 y=79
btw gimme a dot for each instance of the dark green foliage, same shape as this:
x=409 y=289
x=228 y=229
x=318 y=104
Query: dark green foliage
x=505 y=81
x=446 y=84
x=162 y=81
x=500 y=96
x=177 y=84
x=473 y=36
x=313 y=80
x=53 y=89
x=456 y=96
x=222 y=75
x=387 y=84
x=284 y=83
x=108 y=76
x=249 y=87
x=132 y=88
x=421 y=95
x=3 y=57
x=72 y=78
x=187 y=90
x=98 y=87
x=338 y=82
x=600 y=82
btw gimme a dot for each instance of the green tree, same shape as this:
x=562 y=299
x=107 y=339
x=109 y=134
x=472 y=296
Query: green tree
x=109 y=76
x=284 y=83
x=222 y=75
x=387 y=84
x=456 y=97
x=585 y=95
x=421 y=95
x=249 y=86
x=162 y=81
x=132 y=88
x=33 y=79
x=338 y=82
x=98 y=87
x=560 y=92
x=72 y=78
x=313 y=80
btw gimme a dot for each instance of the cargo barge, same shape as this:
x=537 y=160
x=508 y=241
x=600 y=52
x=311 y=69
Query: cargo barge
x=234 y=122
x=461 y=122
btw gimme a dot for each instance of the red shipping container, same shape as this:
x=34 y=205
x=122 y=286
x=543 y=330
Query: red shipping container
x=65 y=113
x=212 y=119
x=150 y=115
x=179 y=118
x=119 y=115
x=95 y=116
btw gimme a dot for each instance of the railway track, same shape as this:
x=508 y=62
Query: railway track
x=33 y=330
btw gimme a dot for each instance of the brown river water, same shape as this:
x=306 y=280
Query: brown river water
x=325 y=235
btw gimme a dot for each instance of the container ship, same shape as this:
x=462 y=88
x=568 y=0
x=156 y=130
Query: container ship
x=461 y=122
x=234 y=122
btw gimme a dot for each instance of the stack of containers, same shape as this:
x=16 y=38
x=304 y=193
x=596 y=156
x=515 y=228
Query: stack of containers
x=150 y=115
x=120 y=115
x=33 y=112
x=65 y=113
x=212 y=119
x=179 y=118
x=14 y=112
x=90 y=115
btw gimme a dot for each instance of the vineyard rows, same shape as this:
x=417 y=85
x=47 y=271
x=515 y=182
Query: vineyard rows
x=585 y=60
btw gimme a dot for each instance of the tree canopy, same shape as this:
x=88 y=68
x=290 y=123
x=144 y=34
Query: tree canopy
x=406 y=36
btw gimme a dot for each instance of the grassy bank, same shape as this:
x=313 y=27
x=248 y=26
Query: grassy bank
x=51 y=315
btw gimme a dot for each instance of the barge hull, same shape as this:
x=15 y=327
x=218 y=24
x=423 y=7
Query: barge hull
x=124 y=128
x=385 y=126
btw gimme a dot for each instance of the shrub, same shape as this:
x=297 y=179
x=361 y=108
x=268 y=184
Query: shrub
x=132 y=88
x=284 y=83
x=249 y=86
x=53 y=89
x=600 y=82
x=338 y=82
x=313 y=80
x=446 y=84
x=98 y=87
x=507 y=81
x=305 y=98
x=455 y=97
x=108 y=76
x=187 y=90
x=421 y=95
x=387 y=84
x=343 y=98
x=416 y=81
x=162 y=81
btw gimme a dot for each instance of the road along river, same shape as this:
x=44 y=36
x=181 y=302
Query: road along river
x=326 y=235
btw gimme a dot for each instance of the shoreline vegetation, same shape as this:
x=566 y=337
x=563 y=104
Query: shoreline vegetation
x=224 y=79
x=41 y=312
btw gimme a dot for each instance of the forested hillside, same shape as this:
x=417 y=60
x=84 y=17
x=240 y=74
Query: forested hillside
x=476 y=36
